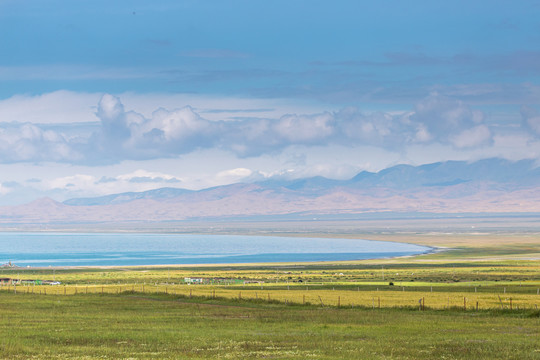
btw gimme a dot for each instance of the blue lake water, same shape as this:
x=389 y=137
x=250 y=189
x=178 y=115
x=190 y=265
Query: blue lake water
x=123 y=249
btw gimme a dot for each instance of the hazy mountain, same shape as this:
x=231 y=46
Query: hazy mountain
x=450 y=173
x=492 y=185
x=158 y=194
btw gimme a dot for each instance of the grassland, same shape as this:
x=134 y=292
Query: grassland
x=477 y=300
x=163 y=326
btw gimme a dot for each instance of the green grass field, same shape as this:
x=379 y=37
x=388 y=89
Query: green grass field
x=135 y=326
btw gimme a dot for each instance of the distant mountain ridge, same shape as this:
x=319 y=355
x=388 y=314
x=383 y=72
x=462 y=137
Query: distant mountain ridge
x=451 y=173
x=162 y=193
x=486 y=186
x=441 y=174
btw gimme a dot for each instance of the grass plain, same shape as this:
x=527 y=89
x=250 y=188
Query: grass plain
x=478 y=299
x=152 y=326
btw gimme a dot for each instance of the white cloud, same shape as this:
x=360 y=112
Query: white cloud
x=51 y=108
x=143 y=174
x=305 y=129
x=92 y=185
x=4 y=189
x=473 y=137
x=123 y=134
x=74 y=182
x=447 y=120
x=378 y=129
x=27 y=142
x=173 y=132
x=220 y=108
x=110 y=108
x=422 y=134
x=233 y=175
x=531 y=119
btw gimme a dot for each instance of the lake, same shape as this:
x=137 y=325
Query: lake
x=131 y=249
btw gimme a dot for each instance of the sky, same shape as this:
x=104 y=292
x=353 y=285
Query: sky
x=100 y=97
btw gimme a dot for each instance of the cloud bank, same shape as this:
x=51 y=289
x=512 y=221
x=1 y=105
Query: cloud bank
x=81 y=184
x=122 y=134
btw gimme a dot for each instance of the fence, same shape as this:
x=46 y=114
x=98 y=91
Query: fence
x=305 y=296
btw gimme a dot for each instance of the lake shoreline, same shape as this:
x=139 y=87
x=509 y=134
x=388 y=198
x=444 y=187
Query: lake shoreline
x=431 y=250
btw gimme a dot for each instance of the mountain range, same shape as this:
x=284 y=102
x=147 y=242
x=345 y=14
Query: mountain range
x=486 y=186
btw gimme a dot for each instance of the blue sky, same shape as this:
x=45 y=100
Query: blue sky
x=98 y=97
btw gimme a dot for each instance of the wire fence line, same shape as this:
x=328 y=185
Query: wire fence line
x=304 y=296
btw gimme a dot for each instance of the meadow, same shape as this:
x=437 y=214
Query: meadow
x=152 y=326
x=477 y=300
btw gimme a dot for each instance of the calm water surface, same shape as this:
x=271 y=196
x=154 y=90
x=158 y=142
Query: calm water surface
x=76 y=249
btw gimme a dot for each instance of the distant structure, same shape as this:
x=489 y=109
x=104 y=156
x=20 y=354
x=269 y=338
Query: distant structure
x=219 y=281
x=188 y=280
x=9 y=265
